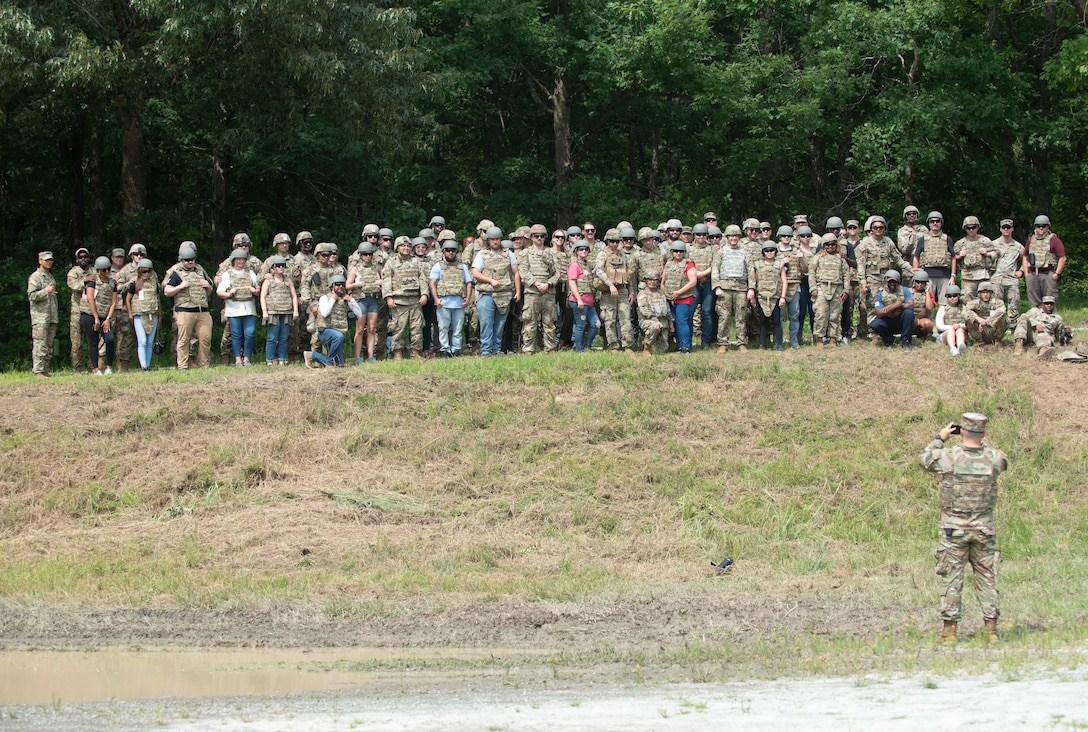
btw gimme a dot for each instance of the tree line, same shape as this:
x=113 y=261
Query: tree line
x=161 y=120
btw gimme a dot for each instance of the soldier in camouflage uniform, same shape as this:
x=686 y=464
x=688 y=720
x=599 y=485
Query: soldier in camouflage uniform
x=41 y=290
x=124 y=335
x=404 y=287
x=303 y=259
x=986 y=319
x=909 y=233
x=731 y=278
x=875 y=254
x=1007 y=271
x=974 y=258
x=1039 y=327
x=767 y=295
x=828 y=284
x=77 y=278
x=613 y=272
x=315 y=283
x=539 y=275
x=281 y=243
x=654 y=318
x=968 y=494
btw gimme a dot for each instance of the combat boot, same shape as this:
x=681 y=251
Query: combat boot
x=742 y=348
x=417 y=353
x=722 y=349
x=989 y=631
x=1046 y=352
x=1019 y=350
x=948 y=632
x=646 y=350
x=398 y=355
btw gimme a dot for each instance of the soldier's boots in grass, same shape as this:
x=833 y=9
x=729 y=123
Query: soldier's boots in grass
x=989 y=631
x=948 y=632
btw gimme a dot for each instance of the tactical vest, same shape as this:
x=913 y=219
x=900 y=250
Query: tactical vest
x=788 y=259
x=103 y=293
x=650 y=264
x=496 y=265
x=653 y=303
x=920 y=305
x=1040 y=247
x=370 y=279
x=617 y=268
x=541 y=264
x=278 y=297
x=319 y=280
x=452 y=283
x=240 y=282
x=828 y=268
x=337 y=319
x=971 y=486
x=906 y=238
x=955 y=314
x=702 y=256
x=876 y=257
x=935 y=251
x=193 y=296
x=767 y=278
x=734 y=266
x=891 y=298
x=971 y=258
x=150 y=302
x=984 y=309
x=674 y=277
x=404 y=276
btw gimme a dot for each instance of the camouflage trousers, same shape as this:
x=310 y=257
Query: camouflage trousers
x=828 y=308
x=538 y=317
x=472 y=326
x=969 y=289
x=75 y=333
x=958 y=547
x=42 y=335
x=979 y=333
x=299 y=330
x=655 y=334
x=1030 y=337
x=732 y=305
x=406 y=326
x=1010 y=295
x=865 y=306
x=125 y=338
x=616 y=319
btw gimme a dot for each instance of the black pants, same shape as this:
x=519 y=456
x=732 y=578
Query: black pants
x=767 y=323
x=86 y=322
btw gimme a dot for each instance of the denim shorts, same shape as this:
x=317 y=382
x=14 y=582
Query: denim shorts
x=368 y=304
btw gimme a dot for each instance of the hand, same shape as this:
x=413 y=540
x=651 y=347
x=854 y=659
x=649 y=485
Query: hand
x=947 y=431
x=815 y=294
x=390 y=304
x=50 y=289
x=97 y=325
x=265 y=320
x=422 y=299
x=105 y=326
x=205 y=284
x=542 y=286
x=843 y=297
x=581 y=305
x=781 y=302
x=1055 y=276
x=614 y=292
x=184 y=285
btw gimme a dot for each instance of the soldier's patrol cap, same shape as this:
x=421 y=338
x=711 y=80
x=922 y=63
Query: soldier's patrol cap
x=83 y=250
x=303 y=236
x=1006 y=222
x=1049 y=299
x=437 y=220
x=685 y=229
x=241 y=238
x=800 y=219
x=427 y=233
x=117 y=252
x=450 y=245
x=45 y=255
x=281 y=238
x=911 y=209
x=337 y=279
x=892 y=274
x=137 y=249
x=973 y=422
x=710 y=216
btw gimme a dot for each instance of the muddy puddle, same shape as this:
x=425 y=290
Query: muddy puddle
x=51 y=677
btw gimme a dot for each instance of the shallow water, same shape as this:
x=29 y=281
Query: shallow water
x=50 y=677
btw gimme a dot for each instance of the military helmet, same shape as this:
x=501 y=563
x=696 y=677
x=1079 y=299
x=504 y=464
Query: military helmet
x=875 y=219
x=144 y=263
x=450 y=244
x=986 y=287
x=627 y=233
x=277 y=260
x=239 y=253
x=951 y=290
x=522 y=232
x=332 y=247
x=804 y=231
x=574 y=231
x=612 y=235
x=581 y=245
x=137 y=249
x=385 y=232
x=678 y=246
x=829 y=239
x=1042 y=220
x=239 y=239
x=337 y=279
x=187 y=243
x=437 y=220
x=538 y=229
x=911 y=209
x=419 y=241
x=281 y=238
x=893 y=274
x=970 y=221
x=769 y=246
x=625 y=225
x=833 y=223
x=370 y=229
x=186 y=252
x=323 y=247
x=427 y=233
x=935 y=215
x=507 y=244
x=700 y=229
x=303 y=236
x=366 y=248
x=686 y=229
x=673 y=224
x=484 y=224
x=750 y=223
x=733 y=230
x=784 y=230
x=659 y=236
x=402 y=241
x=713 y=231
x=646 y=233
x=921 y=276
x=493 y=232
x=446 y=235
x=104 y=263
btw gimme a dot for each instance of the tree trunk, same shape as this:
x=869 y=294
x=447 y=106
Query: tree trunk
x=96 y=185
x=220 y=224
x=561 y=147
x=133 y=163
x=71 y=151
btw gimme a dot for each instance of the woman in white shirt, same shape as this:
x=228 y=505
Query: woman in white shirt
x=238 y=288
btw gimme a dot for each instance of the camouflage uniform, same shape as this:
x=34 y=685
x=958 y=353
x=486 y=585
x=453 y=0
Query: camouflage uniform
x=986 y=320
x=614 y=268
x=1038 y=327
x=537 y=266
x=654 y=320
x=43 y=316
x=874 y=257
x=1005 y=280
x=731 y=274
x=297 y=265
x=76 y=280
x=968 y=494
x=405 y=281
x=974 y=268
x=828 y=279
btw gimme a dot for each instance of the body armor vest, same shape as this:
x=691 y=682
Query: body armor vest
x=971 y=486
x=541 y=264
x=935 y=251
x=103 y=293
x=674 y=277
x=702 y=256
x=733 y=266
x=453 y=279
x=496 y=265
x=278 y=297
x=337 y=319
x=617 y=268
x=150 y=301
x=829 y=268
x=370 y=279
x=955 y=314
x=1040 y=247
x=193 y=296
x=240 y=282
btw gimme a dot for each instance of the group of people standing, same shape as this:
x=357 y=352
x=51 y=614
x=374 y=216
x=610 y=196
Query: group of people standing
x=654 y=290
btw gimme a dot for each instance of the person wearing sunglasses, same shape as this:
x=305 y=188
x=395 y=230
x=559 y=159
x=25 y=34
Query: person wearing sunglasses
x=1043 y=262
x=933 y=252
x=1008 y=271
x=974 y=259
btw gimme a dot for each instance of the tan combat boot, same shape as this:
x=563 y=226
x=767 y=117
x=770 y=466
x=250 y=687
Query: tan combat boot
x=990 y=631
x=1019 y=350
x=628 y=350
x=742 y=348
x=948 y=632
x=417 y=353
x=398 y=355
x=722 y=349
x=646 y=350
x=1046 y=352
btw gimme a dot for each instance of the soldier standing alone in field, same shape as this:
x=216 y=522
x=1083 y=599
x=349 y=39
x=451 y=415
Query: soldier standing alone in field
x=968 y=493
x=41 y=290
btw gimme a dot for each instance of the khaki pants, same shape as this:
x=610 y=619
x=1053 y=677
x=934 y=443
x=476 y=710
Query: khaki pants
x=189 y=324
x=43 y=336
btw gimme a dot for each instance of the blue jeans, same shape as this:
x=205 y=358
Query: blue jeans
x=682 y=316
x=144 y=341
x=451 y=322
x=334 y=341
x=888 y=328
x=492 y=323
x=242 y=330
x=276 y=345
x=793 y=312
x=586 y=325
x=704 y=300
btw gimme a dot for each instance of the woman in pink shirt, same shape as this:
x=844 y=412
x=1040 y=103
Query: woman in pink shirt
x=586 y=322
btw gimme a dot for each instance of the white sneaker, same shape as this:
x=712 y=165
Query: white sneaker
x=96 y=372
x=108 y=371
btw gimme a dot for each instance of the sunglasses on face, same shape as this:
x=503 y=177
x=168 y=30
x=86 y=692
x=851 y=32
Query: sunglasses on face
x=970 y=228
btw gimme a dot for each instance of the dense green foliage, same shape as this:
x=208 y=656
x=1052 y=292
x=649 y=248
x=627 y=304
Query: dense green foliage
x=157 y=120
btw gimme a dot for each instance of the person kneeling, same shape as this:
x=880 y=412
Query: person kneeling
x=332 y=323
x=654 y=317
